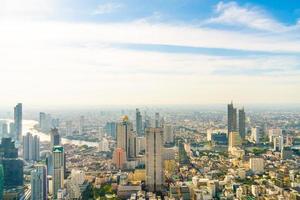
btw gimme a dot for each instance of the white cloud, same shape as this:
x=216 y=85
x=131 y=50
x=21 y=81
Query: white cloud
x=249 y=16
x=55 y=62
x=106 y=8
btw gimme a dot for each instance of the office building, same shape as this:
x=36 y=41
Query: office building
x=154 y=159
x=168 y=134
x=126 y=138
x=255 y=135
x=31 y=147
x=18 y=121
x=55 y=138
x=4 y=130
x=111 y=129
x=39 y=183
x=139 y=123
x=278 y=143
x=234 y=140
x=12 y=166
x=11 y=129
x=119 y=158
x=242 y=123
x=58 y=169
x=157 y=120
x=1 y=181
x=232 y=118
x=257 y=165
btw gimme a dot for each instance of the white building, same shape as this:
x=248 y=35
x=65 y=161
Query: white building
x=257 y=165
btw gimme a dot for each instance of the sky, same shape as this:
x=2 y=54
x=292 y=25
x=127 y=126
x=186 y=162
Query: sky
x=158 y=52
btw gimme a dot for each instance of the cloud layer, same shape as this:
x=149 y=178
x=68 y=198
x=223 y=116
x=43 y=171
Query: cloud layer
x=56 y=62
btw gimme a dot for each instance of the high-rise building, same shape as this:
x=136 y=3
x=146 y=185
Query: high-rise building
x=154 y=159
x=242 y=123
x=157 y=120
x=110 y=129
x=39 y=183
x=278 y=143
x=58 y=168
x=4 y=129
x=55 y=138
x=234 y=140
x=126 y=138
x=139 y=123
x=232 y=119
x=1 y=181
x=31 y=147
x=12 y=166
x=18 y=121
x=119 y=158
x=255 y=134
x=27 y=146
x=11 y=129
x=168 y=134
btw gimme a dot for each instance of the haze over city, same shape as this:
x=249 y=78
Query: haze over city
x=149 y=100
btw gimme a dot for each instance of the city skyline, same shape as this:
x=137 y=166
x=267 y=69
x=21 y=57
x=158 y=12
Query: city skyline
x=84 y=51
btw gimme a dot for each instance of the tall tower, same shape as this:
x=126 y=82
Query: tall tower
x=242 y=123
x=157 y=120
x=231 y=117
x=126 y=137
x=1 y=181
x=39 y=183
x=55 y=138
x=154 y=159
x=18 y=121
x=58 y=168
x=139 y=123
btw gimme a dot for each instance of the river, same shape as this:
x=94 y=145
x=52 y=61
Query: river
x=28 y=126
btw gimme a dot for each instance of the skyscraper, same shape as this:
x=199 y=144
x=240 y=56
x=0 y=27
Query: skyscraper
x=242 y=123
x=255 y=134
x=4 y=129
x=126 y=137
x=231 y=117
x=58 y=168
x=157 y=120
x=139 y=123
x=1 y=181
x=12 y=166
x=119 y=158
x=39 y=183
x=154 y=159
x=55 y=138
x=31 y=147
x=18 y=121
x=168 y=134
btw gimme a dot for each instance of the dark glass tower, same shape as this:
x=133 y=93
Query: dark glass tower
x=139 y=123
x=12 y=166
x=242 y=123
x=232 y=118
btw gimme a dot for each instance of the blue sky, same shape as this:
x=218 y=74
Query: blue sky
x=149 y=52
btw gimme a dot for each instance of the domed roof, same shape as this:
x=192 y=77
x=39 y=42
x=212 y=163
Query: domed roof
x=125 y=118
